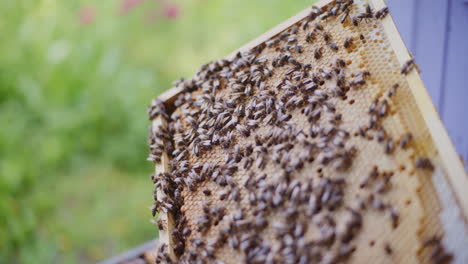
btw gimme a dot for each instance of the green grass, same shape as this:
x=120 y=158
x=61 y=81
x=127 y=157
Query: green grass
x=74 y=185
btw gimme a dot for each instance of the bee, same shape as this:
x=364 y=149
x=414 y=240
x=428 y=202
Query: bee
x=407 y=67
x=362 y=131
x=294 y=30
x=326 y=73
x=269 y=119
x=285 y=117
x=160 y=224
x=233 y=242
x=355 y=21
x=345 y=252
x=368 y=14
x=318 y=53
x=373 y=106
x=315 y=116
x=376 y=203
x=333 y=46
x=389 y=146
x=196 y=150
x=406 y=140
x=305 y=24
x=186 y=231
x=318 y=27
x=204 y=223
x=392 y=90
x=383 y=108
x=326 y=37
x=329 y=107
x=360 y=79
x=334 y=10
x=260 y=222
x=154 y=158
x=381 y=13
x=206 y=143
x=272 y=42
x=316 y=11
x=364 y=74
x=347 y=43
x=394 y=217
x=176 y=234
x=260 y=162
x=223 y=195
x=292 y=39
x=154 y=209
x=424 y=163
x=290 y=71
x=310 y=37
x=325 y=15
x=364 y=182
x=339 y=117
x=344 y=16
x=381 y=135
x=388 y=249
x=438 y=253
x=234 y=195
x=372 y=121
x=299 y=49
x=252 y=198
x=337 y=91
x=248 y=150
x=358 y=204
x=340 y=63
x=434 y=240
x=247 y=163
x=310 y=86
x=162 y=254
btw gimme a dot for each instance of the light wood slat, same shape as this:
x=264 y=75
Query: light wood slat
x=455 y=171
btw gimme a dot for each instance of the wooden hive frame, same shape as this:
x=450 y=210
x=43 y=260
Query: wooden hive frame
x=448 y=160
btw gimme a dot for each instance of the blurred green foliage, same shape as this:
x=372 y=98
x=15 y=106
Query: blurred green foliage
x=74 y=185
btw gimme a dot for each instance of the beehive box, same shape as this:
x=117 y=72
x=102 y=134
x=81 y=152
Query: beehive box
x=315 y=143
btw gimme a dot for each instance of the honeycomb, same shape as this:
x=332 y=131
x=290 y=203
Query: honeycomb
x=307 y=148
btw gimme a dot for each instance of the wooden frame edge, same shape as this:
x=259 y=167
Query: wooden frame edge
x=166 y=218
x=455 y=171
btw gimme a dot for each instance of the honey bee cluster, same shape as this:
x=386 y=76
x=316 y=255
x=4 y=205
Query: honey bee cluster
x=262 y=153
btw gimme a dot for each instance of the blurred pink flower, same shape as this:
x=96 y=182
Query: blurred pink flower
x=152 y=16
x=127 y=5
x=171 y=11
x=86 y=15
